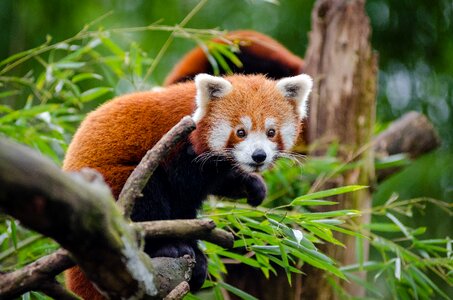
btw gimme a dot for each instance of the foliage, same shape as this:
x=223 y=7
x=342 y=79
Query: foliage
x=46 y=91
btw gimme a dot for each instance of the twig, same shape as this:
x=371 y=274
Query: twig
x=39 y=275
x=137 y=180
x=33 y=275
x=179 y=291
x=188 y=229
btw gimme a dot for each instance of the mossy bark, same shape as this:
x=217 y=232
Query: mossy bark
x=81 y=216
x=342 y=110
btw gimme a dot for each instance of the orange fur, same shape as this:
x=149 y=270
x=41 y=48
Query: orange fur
x=114 y=138
x=255 y=92
x=251 y=43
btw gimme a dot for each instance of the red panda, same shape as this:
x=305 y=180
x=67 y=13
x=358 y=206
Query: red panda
x=259 y=54
x=244 y=122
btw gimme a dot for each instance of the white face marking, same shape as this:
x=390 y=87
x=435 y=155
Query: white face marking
x=288 y=134
x=270 y=123
x=243 y=151
x=247 y=122
x=219 y=134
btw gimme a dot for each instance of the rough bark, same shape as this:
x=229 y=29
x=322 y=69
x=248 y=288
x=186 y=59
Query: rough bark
x=178 y=292
x=342 y=109
x=412 y=134
x=188 y=230
x=32 y=276
x=81 y=216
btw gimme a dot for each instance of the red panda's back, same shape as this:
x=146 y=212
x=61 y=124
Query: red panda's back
x=114 y=138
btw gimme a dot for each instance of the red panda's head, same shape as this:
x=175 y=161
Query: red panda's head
x=249 y=118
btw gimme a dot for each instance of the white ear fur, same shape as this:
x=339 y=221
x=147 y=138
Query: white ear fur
x=298 y=88
x=209 y=88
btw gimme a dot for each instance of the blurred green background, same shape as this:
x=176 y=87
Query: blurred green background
x=414 y=39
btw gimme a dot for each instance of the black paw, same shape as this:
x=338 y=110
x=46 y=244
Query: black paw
x=179 y=249
x=199 y=272
x=256 y=190
x=176 y=249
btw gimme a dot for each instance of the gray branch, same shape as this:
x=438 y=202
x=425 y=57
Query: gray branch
x=81 y=216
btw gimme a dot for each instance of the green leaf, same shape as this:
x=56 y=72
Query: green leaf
x=429 y=281
x=313 y=202
x=19 y=55
x=281 y=264
x=285 y=262
x=113 y=47
x=367 y=266
x=39 y=296
x=328 y=221
x=85 y=76
x=382 y=227
x=331 y=214
x=13 y=232
x=400 y=225
x=320 y=264
x=8 y=94
x=328 y=193
x=94 y=93
x=225 y=50
x=236 y=291
x=69 y=65
x=314 y=253
x=27 y=112
x=272 y=249
x=240 y=258
x=221 y=61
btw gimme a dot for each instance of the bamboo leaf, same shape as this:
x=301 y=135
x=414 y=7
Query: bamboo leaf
x=94 y=93
x=236 y=291
x=328 y=193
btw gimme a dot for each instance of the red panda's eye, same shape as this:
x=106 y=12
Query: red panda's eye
x=241 y=133
x=271 y=133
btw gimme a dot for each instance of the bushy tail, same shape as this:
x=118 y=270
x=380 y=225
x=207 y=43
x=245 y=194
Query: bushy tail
x=258 y=53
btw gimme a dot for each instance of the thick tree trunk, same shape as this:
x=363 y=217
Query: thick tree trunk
x=342 y=109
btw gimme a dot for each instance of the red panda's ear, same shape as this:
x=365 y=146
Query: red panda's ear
x=209 y=88
x=297 y=88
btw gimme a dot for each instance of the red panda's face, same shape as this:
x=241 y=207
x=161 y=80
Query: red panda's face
x=250 y=119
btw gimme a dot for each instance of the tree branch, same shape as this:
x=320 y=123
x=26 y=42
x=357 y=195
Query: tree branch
x=81 y=216
x=32 y=276
x=137 y=180
x=178 y=292
x=43 y=197
x=189 y=230
x=412 y=134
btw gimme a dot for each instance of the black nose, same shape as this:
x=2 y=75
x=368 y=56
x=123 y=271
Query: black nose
x=259 y=155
